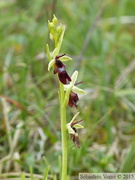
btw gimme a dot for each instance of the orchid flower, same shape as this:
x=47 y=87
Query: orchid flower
x=59 y=68
x=74 y=91
x=62 y=58
x=72 y=129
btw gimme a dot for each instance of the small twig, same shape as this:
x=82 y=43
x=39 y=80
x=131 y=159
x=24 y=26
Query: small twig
x=12 y=141
x=129 y=103
x=120 y=80
x=20 y=173
x=17 y=104
x=16 y=136
x=5 y=118
x=6 y=158
x=41 y=142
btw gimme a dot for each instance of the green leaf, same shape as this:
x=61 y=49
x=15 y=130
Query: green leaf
x=129 y=160
x=23 y=176
x=31 y=173
x=125 y=92
x=46 y=172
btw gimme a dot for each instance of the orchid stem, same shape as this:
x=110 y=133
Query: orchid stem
x=63 y=133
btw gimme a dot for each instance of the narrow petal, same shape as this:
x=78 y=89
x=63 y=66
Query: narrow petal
x=72 y=120
x=74 y=77
x=78 y=90
x=51 y=63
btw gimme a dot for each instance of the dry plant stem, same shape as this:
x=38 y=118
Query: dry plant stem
x=16 y=174
x=63 y=133
x=12 y=141
x=5 y=117
x=120 y=80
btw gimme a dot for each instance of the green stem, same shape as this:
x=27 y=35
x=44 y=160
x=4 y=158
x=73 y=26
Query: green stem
x=63 y=133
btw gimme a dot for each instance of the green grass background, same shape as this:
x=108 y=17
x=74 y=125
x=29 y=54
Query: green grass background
x=100 y=38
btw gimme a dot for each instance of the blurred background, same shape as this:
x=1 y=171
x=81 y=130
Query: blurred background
x=100 y=38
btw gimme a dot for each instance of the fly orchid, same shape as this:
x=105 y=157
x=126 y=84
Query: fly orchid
x=72 y=129
x=74 y=91
x=68 y=93
x=59 y=68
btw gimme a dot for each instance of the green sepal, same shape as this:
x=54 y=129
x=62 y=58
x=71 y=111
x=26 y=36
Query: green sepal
x=78 y=126
x=48 y=52
x=78 y=90
x=51 y=63
x=70 y=130
x=55 y=52
x=65 y=58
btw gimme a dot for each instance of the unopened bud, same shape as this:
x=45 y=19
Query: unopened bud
x=54 y=21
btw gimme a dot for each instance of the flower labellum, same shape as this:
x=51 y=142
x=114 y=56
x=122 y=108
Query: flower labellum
x=73 y=99
x=59 y=68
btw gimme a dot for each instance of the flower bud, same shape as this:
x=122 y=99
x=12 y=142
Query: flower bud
x=51 y=27
x=54 y=21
